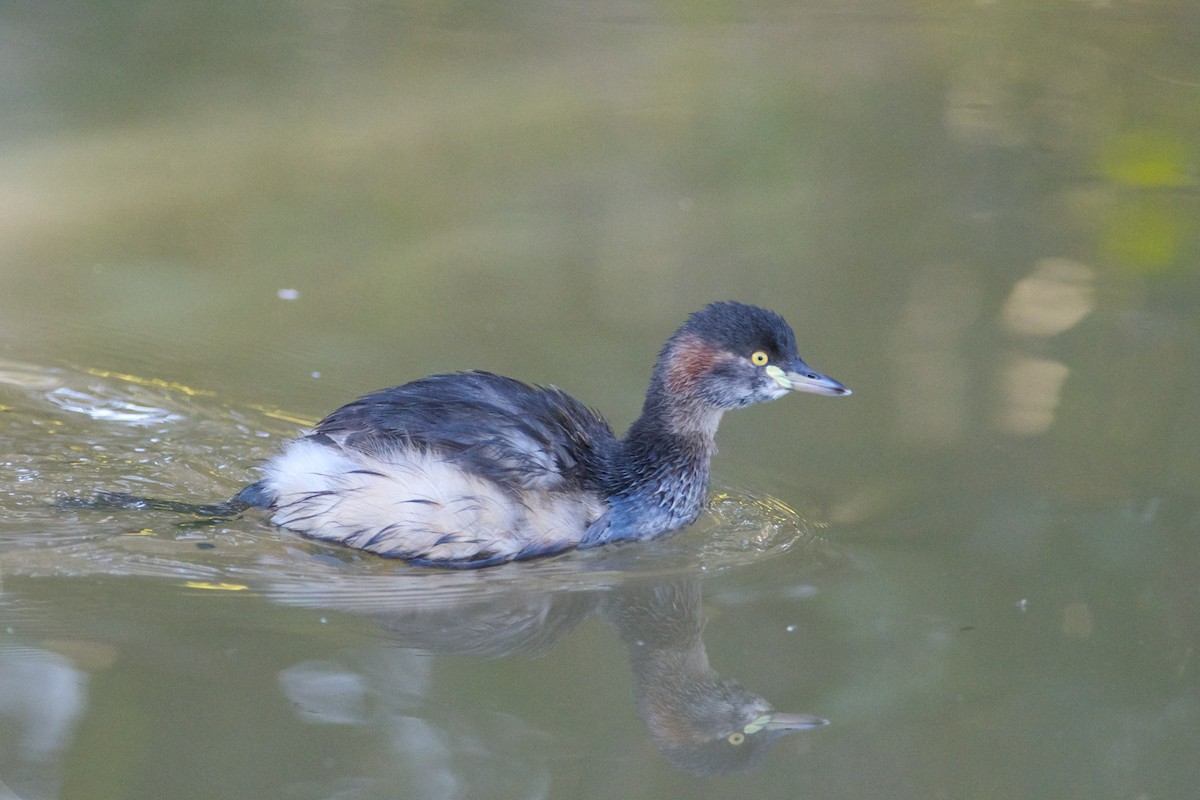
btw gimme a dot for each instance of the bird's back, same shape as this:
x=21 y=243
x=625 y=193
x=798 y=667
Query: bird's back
x=518 y=435
x=468 y=467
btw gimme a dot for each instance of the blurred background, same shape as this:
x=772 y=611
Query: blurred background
x=220 y=220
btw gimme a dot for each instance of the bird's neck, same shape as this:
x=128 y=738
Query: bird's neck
x=664 y=465
x=673 y=436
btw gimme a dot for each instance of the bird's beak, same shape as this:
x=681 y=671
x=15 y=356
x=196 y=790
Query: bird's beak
x=785 y=723
x=799 y=377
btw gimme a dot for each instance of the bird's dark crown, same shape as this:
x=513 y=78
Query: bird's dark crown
x=740 y=328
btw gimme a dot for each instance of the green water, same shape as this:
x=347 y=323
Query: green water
x=221 y=221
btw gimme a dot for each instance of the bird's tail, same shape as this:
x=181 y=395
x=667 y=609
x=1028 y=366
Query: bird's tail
x=249 y=497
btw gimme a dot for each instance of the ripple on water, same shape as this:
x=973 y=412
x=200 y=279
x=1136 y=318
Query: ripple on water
x=109 y=409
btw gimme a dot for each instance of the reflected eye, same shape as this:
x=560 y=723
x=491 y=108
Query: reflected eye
x=759 y=358
x=736 y=738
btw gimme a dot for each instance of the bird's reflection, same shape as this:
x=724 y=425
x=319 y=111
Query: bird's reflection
x=702 y=723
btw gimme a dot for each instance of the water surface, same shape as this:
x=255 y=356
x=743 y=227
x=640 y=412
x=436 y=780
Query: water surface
x=220 y=223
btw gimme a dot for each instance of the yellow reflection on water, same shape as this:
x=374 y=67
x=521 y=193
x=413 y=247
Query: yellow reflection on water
x=1053 y=299
x=1032 y=389
x=156 y=383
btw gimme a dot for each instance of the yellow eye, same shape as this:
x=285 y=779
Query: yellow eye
x=759 y=358
x=736 y=738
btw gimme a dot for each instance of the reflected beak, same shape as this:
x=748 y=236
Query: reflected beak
x=790 y=723
x=799 y=377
